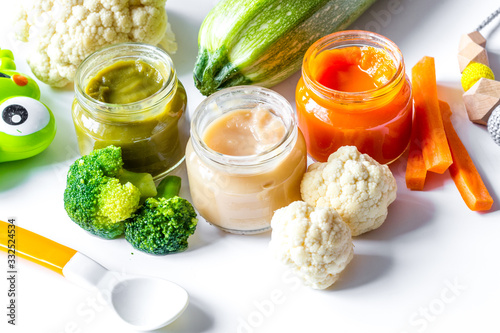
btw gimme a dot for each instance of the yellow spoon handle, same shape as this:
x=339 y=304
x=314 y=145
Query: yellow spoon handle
x=34 y=247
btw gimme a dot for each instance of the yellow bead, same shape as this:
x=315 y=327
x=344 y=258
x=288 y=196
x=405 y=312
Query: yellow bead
x=473 y=72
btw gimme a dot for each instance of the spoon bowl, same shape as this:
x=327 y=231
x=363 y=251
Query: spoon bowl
x=148 y=303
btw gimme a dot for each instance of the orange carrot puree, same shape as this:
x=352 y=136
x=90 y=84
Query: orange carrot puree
x=355 y=99
x=353 y=69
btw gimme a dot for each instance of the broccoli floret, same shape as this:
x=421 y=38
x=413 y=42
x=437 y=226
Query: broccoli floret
x=99 y=196
x=163 y=224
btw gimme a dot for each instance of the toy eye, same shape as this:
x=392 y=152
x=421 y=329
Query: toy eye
x=5 y=75
x=21 y=116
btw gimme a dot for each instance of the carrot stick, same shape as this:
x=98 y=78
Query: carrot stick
x=435 y=150
x=462 y=171
x=416 y=171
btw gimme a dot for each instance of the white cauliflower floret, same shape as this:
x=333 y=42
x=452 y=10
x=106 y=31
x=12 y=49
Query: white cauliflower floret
x=314 y=242
x=355 y=185
x=62 y=33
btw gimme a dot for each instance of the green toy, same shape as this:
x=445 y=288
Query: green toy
x=27 y=126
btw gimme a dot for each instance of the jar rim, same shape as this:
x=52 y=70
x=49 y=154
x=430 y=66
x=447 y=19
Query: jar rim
x=354 y=38
x=122 y=51
x=285 y=112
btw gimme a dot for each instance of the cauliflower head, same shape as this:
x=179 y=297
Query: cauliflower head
x=313 y=241
x=62 y=33
x=354 y=184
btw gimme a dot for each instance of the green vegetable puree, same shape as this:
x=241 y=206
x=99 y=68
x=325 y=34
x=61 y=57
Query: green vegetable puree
x=149 y=135
x=125 y=81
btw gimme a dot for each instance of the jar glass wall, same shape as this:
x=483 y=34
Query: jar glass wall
x=377 y=121
x=239 y=194
x=152 y=132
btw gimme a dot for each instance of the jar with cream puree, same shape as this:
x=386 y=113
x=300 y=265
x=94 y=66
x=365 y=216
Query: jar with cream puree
x=354 y=91
x=245 y=158
x=128 y=95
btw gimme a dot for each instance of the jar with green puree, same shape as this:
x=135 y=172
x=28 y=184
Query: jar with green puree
x=128 y=95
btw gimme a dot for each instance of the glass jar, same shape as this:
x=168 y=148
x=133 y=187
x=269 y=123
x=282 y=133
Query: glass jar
x=239 y=194
x=152 y=132
x=378 y=121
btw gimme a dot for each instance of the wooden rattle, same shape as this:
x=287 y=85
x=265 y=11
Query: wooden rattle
x=482 y=92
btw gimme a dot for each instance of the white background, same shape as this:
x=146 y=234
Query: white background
x=434 y=266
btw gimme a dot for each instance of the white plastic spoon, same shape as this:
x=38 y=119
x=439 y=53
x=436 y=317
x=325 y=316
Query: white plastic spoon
x=145 y=303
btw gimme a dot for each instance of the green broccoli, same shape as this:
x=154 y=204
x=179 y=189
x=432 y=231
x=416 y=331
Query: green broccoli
x=100 y=195
x=164 y=223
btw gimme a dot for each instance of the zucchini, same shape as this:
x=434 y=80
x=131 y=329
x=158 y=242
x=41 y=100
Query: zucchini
x=263 y=41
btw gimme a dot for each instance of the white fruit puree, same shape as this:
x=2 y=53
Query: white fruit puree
x=244 y=132
x=231 y=196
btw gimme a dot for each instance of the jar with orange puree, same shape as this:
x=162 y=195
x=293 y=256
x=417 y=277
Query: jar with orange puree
x=354 y=91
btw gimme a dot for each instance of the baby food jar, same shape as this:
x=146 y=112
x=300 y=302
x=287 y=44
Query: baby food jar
x=239 y=190
x=151 y=131
x=377 y=121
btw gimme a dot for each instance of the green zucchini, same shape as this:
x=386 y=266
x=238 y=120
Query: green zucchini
x=263 y=41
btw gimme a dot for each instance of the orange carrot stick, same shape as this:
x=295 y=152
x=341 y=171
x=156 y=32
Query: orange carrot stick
x=435 y=149
x=462 y=171
x=416 y=171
